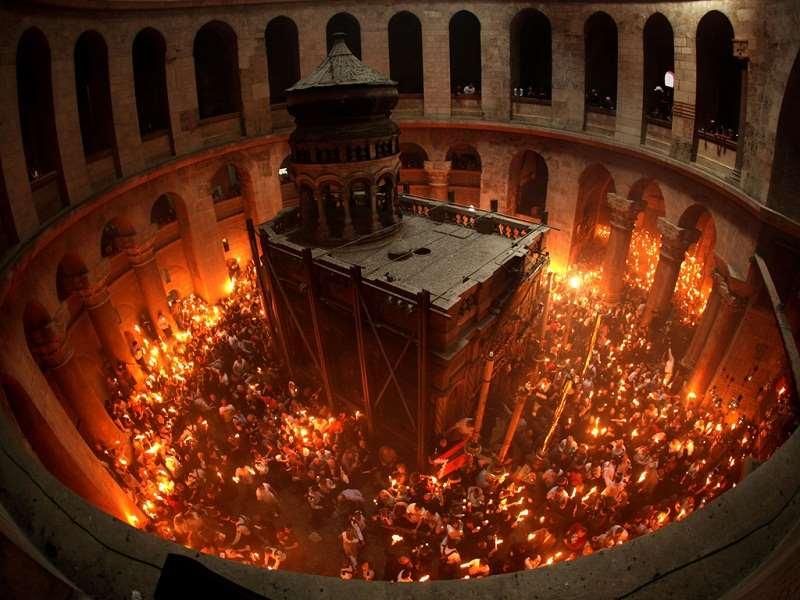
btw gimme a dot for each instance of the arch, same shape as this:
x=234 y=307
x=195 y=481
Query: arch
x=659 y=59
x=216 y=69
x=465 y=51
x=463 y=157
x=150 y=81
x=35 y=105
x=785 y=179
x=600 y=38
x=532 y=54
x=701 y=260
x=93 y=89
x=527 y=190
x=283 y=57
x=163 y=211
x=719 y=78
x=591 y=209
x=116 y=236
x=412 y=156
x=70 y=275
x=405 y=52
x=348 y=25
x=647 y=195
x=226 y=182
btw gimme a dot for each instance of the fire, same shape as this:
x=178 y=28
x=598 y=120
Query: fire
x=642 y=477
x=153 y=450
x=396 y=539
x=424 y=578
x=575 y=282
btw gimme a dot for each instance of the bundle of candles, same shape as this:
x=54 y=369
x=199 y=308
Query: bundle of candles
x=231 y=458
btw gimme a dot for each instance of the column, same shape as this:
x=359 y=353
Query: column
x=629 y=81
x=438 y=175
x=436 y=61
x=700 y=335
x=105 y=320
x=674 y=243
x=123 y=100
x=720 y=334
x=568 y=76
x=623 y=218
x=182 y=92
x=93 y=421
x=256 y=117
x=323 y=233
x=495 y=67
x=373 y=207
x=145 y=267
x=683 y=106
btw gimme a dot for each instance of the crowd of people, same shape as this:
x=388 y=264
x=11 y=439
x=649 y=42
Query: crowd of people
x=231 y=458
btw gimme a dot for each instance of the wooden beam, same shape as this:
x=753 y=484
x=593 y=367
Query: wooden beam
x=785 y=329
x=423 y=308
x=256 y=257
x=355 y=279
x=308 y=263
x=269 y=283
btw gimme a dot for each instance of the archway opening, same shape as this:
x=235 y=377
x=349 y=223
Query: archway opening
x=283 y=57
x=150 y=82
x=589 y=233
x=659 y=70
x=531 y=56
x=216 y=68
x=600 y=36
x=465 y=53
x=405 y=52
x=527 y=188
x=348 y=25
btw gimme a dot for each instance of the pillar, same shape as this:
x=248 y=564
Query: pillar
x=182 y=92
x=436 y=61
x=700 y=335
x=124 y=110
x=438 y=178
x=622 y=218
x=256 y=116
x=720 y=334
x=93 y=421
x=143 y=261
x=373 y=207
x=674 y=243
x=105 y=320
x=323 y=232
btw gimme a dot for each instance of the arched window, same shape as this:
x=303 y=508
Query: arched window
x=600 y=35
x=528 y=184
x=94 y=94
x=283 y=57
x=150 y=81
x=465 y=52
x=163 y=211
x=659 y=68
x=719 y=78
x=216 y=69
x=531 y=55
x=35 y=96
x=785 y=179
x=347 y=24
x=412 y=156
x=226 y=183
x=405 y=52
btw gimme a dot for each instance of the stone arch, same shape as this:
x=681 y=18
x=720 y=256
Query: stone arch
x=93 y=88
x=703 y=252
x=37 y=123
x=527 y=185
x=532 y=54
x=163 y=211
x=283 y=57
x=648 y=197
x=412 y=156
x=659 y=60
x=71 y=275
x=465 y=50
x=117 y=235
x=216 y=67
x=405 y=52
x=150 y=81
x=346 y=23
x=785 y=178
x=591 y=209
x=601 y=48
x=719 y=79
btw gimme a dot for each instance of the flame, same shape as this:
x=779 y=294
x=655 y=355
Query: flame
x=396 y=538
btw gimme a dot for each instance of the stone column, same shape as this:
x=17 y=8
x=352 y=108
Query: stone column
x=256 y=116
x=629 y=80
x=123 y=100
x=93 y=421
x=436 y=61
x=105 y=320
x=438 y=175
x=143 y=261
x=323 y=233
x=684 y=93
x=720 y=334
x=700 y=335
x=182 y=93
x=373 y=207
x=674 y=243
x=623 y=218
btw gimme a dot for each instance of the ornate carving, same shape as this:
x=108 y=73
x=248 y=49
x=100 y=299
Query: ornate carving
x=675 y=240
x=623 y=211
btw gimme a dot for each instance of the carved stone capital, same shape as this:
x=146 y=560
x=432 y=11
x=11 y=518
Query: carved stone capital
x=675 y=240
x=623 y=211
x=438 y=171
